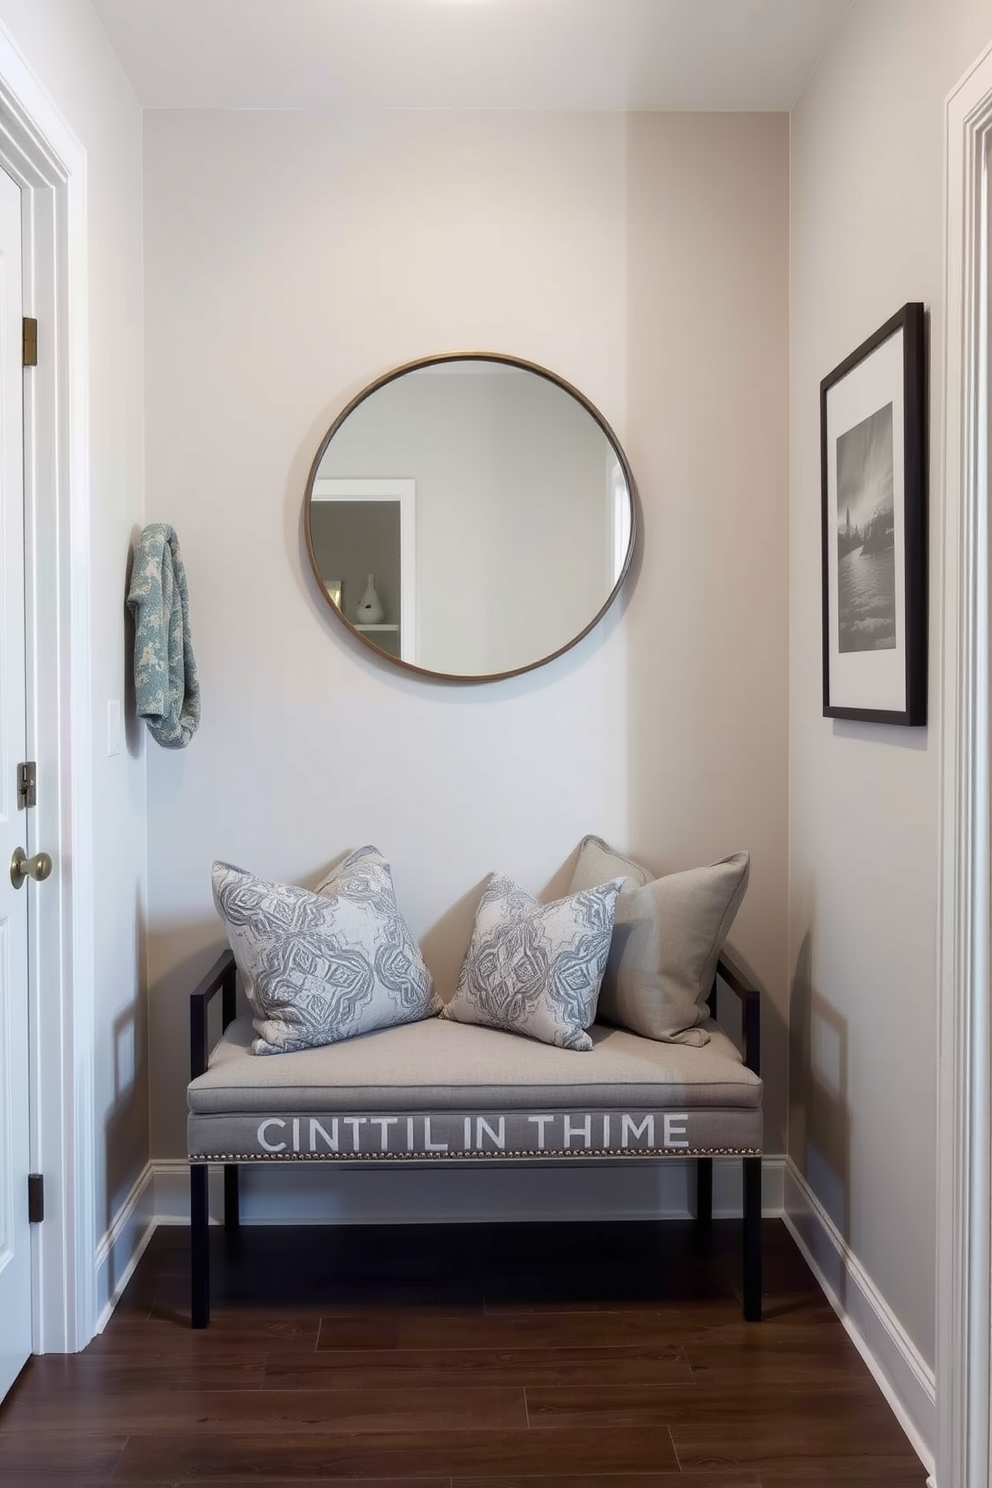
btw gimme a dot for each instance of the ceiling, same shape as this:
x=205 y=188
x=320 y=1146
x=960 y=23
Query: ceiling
x=521 y=54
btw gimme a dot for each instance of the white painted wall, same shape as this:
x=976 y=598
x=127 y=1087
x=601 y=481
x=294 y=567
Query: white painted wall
x=867 y=235
x=68 y=51
x=292 y=258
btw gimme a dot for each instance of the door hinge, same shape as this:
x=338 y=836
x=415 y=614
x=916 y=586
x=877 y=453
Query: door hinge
x=27 y=785
x=30 y=341
x=36 y=1198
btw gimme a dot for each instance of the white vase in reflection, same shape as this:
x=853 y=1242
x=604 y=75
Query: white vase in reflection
x=370 y=611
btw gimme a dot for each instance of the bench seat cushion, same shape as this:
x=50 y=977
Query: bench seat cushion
x=438 y=1089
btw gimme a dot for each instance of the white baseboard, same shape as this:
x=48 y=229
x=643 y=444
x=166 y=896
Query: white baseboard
x=899 y=1369
x=311 y=1194
x=123 y=1245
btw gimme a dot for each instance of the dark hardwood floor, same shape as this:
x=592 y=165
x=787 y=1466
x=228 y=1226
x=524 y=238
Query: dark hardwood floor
x=478 y=1356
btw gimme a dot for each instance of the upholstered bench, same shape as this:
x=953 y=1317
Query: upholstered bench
x=442 y=1092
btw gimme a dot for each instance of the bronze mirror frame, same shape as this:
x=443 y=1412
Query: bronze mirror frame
x=507 y=361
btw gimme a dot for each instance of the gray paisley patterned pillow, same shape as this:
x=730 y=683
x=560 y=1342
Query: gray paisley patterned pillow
x=536 y=968
x=325 y=966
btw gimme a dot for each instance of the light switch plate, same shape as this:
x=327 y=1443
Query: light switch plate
x=115 y=727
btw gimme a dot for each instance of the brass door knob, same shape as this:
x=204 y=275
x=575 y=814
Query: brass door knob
x=21 y=867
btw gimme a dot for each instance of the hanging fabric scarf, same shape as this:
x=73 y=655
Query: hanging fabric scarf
x=167 y=692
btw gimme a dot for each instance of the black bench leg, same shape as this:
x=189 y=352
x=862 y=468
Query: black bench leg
x=232 y=1207
x=752 y=1239
x=704 y=1192
x=199 y=1242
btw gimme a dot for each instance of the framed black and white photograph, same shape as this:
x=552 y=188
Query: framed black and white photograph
x=873 y=484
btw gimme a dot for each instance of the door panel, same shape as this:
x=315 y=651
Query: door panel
x=15 y=1248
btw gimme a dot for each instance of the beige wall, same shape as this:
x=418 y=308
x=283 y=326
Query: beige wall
x=67 y=49
x=292 y=258
x=707 y=624
x=867 y=235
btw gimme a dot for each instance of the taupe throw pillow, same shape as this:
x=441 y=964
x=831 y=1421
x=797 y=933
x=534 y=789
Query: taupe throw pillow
x=326 y=966
x=667 y=936
x=536 y=968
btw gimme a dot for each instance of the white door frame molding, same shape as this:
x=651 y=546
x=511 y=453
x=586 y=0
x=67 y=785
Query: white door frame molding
x=39 y=150
x=401 y=489
x=964 y=1224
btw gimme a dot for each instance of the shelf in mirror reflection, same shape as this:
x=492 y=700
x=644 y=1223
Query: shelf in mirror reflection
x=376 y=627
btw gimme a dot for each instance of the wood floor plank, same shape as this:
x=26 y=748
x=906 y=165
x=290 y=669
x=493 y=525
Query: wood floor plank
x=839 y=1376
x=698 y=1287
x=857 y=1472
x=53 y=1376
x=80 y=1453
x=807 y=1361
x=169 y=1328
x=497 y=1331
x=389 y=1307
x=733 y=1479
x=867 y=1441
x=280 y=1482
x=858 y=1406
x=788 y=1342
x=69 y=1478
x=440 y=1369
x=287 y=1412
x=456 y=1453
x=342 y=1299
x=609 y=1407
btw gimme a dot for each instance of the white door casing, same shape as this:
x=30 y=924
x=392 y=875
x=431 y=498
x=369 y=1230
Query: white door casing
x=15 y=1239
x=40 y=152
x=401 y=490
x=964 y=1089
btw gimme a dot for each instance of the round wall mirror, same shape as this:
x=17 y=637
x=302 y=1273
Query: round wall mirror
x=470 y=517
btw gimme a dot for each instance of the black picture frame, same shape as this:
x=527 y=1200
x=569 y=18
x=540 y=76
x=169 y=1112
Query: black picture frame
x=873 y=478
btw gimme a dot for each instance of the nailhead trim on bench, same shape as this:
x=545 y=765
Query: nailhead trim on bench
x=332 y=1157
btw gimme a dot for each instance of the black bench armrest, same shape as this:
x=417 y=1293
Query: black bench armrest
x=729 y=972
x=222 y=977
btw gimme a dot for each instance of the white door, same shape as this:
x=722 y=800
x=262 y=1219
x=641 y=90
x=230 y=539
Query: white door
x=15 y=1252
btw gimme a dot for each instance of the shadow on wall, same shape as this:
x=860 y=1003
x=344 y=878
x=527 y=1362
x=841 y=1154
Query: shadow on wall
x=819 y=1114
x=446 y=942
x=126 y=1119
x=774 y=1034
x=133 y=726
x=203 y=940
x=728 y=1013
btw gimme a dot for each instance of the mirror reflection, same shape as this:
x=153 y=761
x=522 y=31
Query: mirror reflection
x=470 y=516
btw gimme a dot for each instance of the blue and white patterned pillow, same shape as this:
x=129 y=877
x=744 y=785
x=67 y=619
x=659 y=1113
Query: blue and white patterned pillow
x=320 y=967
x=536 y=968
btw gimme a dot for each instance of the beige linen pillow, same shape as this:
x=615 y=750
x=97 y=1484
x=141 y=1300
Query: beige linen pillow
x=667 y=936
